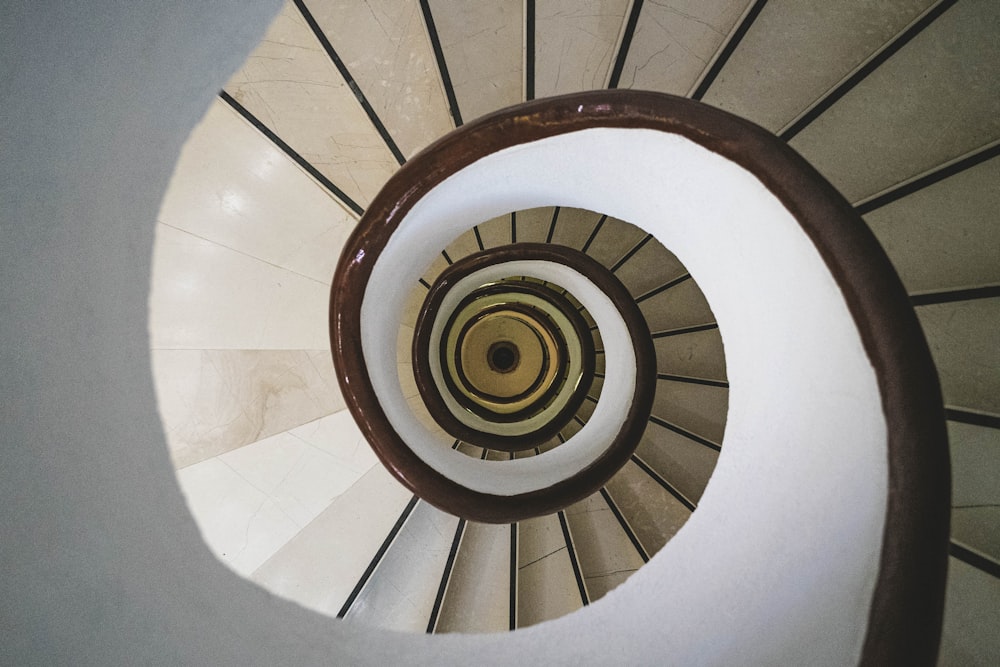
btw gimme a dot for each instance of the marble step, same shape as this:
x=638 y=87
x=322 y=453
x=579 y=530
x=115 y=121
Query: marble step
x=292 y=86
x=546 y=584
x=478 y=595
x=652 y=512
x=945 y=236
x=401 y=591
x=944 y=86
x=820 y=44
x=964 y=343
x=605 y=552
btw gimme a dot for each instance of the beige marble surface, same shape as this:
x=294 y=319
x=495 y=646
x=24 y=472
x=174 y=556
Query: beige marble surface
x=943 y=86
x=650 y=267
x=482 y=44
x=965 y=250
x=292 y=86
x=533 y=224
x=478 y=595
x=251 y=501
x=207 y=296
x=699 y=354
x=821 y=42
x=975 y=464
x=653 y=513
x=684 y=463
x=698 y=408
x=213 y=401
x=615 y=238
x=234 y=187
x=576 y=44
x=573 y=227
x=546 y=585
x=682 y=305
x=606 y=555
x=674 y=42
x=385 y=46
x=401 y=594
x=320 y=565
x=964 y=338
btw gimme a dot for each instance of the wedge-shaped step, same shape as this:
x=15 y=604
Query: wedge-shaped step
x=944 y=82
x=696 y=408
x=604 y=547
x=389 y=54
x=681 y=306
x=546 y=583
x=574 y=227
x=613 y=240
x=482 y=46
x=321 y=565
x=964 y=343
x=292 y=86
x=697 y=354
x=576 y=44
x=654 y=514
x=647 y=267
x=975 y=465
x=401 y=591
x=478 y=593
x=532 y=225
x=673 y=43
x=976 y=528
x=686 y=464
x=945 y=236
x=820 y=43
x=971 y=617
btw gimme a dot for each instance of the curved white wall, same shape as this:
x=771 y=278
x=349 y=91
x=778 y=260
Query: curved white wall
x=102 y=562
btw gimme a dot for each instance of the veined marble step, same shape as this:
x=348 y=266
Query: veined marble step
x=943 y=83
x=687 y=465
x=546 y=584
x=699 y=409
x=653 y=513
x=683 y=305
x=945 y=236
x=697 y=354
x=965 y=343
x=389 y=55
x=605 y=552
x=400 y=593
x=820 y=43
x=975 y=464
x=482 y=44
x=478 y=595
x=976 y=528
x=971 y=617
x=673 y=43
x=613 y=240
x=293 y=87
x=321 y=565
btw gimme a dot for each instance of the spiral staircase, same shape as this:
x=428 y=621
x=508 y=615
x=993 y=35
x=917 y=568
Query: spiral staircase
x=894 y=103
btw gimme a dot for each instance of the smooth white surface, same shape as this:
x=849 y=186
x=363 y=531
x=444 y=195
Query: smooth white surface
x=805 y=420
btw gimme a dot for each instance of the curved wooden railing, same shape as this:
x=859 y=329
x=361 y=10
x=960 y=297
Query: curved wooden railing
x=906 y=596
